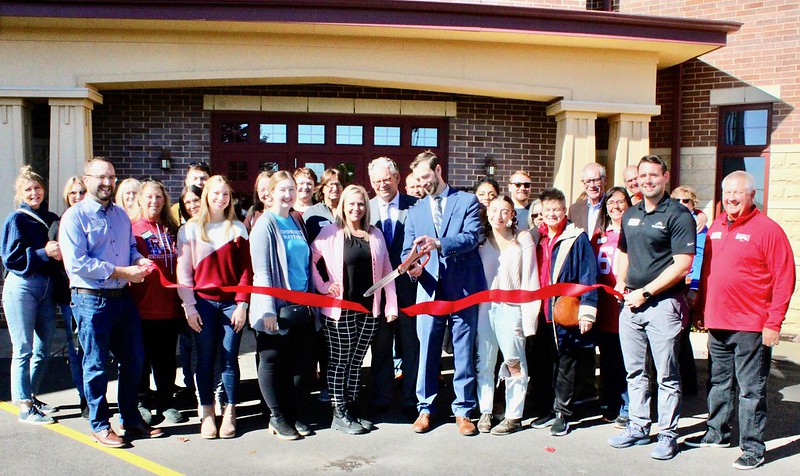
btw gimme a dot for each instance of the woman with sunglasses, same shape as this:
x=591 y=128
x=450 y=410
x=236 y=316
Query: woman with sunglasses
x=159 y=307
x=213 y=251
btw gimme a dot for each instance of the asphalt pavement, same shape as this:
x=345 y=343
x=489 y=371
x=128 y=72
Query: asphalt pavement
x=392 y=449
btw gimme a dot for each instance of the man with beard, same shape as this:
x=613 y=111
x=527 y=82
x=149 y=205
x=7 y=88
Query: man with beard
x=656 y=249
x=446 y=224
x=519 y=187
x=101 y=258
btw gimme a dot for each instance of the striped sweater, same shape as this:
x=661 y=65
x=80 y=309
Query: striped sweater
x=222 y=261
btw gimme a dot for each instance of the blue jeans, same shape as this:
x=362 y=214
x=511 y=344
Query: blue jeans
x=740 y=355
x=74 y=351
x=31 y=316
x=109 y=324
x=217 y=326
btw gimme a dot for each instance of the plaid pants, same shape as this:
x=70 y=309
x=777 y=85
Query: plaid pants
x=348 y=340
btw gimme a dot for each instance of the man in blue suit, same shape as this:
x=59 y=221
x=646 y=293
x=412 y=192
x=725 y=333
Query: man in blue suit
x=446 y=224
x=389 y=211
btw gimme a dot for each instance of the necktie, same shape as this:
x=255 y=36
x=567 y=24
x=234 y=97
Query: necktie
x=387 y=230
x=437 y=215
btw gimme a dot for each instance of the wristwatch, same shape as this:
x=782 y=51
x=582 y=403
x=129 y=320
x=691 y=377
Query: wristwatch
x=438 y=244
x=646 y=294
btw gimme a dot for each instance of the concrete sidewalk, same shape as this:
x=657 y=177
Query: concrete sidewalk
x=393 y=448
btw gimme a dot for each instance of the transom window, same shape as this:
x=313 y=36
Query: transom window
x=311 y=134
x=349 y=135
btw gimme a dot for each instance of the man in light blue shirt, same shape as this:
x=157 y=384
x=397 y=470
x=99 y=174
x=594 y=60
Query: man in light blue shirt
x=100 y=257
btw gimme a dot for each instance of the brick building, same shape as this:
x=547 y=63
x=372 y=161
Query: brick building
x=545 y=86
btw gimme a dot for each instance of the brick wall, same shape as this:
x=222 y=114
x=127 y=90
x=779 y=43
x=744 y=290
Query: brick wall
x=765 y=52
x=132 y=127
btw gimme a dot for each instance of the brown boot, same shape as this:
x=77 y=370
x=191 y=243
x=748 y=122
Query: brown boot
x=208 y=422
x=228 y=427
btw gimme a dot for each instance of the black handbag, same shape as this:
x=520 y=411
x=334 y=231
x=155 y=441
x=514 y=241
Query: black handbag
x=294 y=316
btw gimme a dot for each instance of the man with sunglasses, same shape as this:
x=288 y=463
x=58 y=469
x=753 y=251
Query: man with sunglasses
x=519 y=187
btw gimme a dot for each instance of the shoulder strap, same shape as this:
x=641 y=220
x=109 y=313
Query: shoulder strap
x=34 y=216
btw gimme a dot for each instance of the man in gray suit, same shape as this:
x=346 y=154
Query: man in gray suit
x=388 y=211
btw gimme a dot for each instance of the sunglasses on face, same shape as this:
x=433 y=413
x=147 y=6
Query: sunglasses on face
x=521 y=184
x=684 y=200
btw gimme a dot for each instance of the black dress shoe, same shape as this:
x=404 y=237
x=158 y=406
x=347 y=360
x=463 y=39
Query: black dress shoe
x=142 y=431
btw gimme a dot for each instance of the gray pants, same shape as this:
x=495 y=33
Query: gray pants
x=658 y=323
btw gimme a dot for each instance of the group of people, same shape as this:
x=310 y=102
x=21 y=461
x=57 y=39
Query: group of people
x=108 y=263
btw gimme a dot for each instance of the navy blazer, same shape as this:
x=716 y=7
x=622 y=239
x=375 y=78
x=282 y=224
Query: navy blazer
x=405 y=287
x=456 y=270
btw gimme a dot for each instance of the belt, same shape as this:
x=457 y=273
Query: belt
x=108 y=293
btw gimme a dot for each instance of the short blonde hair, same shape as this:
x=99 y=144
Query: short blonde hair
x=684 y=189
x=68 y=187
x=340 y=218
x=127 y=185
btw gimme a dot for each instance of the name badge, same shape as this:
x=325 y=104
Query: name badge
x=147 y=234
x=634 y=222
x=716 y=235
x=601 y=240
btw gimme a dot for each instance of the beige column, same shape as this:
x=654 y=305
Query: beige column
x=70 y=143
x=15 y=146
x=628 y=141
x=575 y=147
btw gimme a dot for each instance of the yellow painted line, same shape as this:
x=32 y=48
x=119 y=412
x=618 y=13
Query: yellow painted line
x=118 y=453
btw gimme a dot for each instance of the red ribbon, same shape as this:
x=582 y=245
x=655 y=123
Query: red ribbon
x=435 y=308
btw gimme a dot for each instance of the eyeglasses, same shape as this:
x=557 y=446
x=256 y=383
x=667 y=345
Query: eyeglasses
x=77 y=192
x=617 y=203
x=333 y=185
x=591 y=181
x=152 y=180
x=684 y=200
x=522 y=184
x=105 y=178
x=199 y=165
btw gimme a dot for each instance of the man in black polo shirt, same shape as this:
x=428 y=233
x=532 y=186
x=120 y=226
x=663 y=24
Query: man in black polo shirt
x=656 y=249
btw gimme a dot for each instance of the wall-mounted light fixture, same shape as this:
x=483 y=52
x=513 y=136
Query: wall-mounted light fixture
x=489 y=166
x=166 y=159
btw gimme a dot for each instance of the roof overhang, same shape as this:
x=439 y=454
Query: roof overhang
x=674 y=40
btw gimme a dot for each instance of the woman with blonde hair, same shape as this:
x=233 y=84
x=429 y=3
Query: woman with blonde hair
x=345 y=249
x=32 y=259
x=154 y=228
x=213 y=251
x=283 y=260
x=126 y=195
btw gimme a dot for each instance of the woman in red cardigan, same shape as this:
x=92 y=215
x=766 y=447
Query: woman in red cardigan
x=341 y=254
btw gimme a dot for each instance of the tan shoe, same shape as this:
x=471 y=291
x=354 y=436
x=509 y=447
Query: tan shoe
x=208 y=422
x=465 y=426
x=423 y=423
x=228 y=427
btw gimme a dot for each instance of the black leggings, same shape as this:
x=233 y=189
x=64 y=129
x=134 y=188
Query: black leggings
x=284 y=364
x=160 y=338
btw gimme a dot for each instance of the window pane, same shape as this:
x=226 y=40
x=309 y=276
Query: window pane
x=387 y=135
x=756 y=166
x=349 y=135
x=234 y=132
x=272 y=134
x=268 y=167
x=311 y=134
x=745 y=127
x=424 y=137
x=237 y=170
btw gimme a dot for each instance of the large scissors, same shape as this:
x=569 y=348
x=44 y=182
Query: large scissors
x=416 y=255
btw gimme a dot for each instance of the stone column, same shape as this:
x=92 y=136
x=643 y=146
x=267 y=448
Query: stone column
x=15 y=146
x=628 y=141
x=575 y=147
x=70 y=143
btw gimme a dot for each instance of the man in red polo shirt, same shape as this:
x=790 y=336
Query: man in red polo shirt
x=747 y=281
